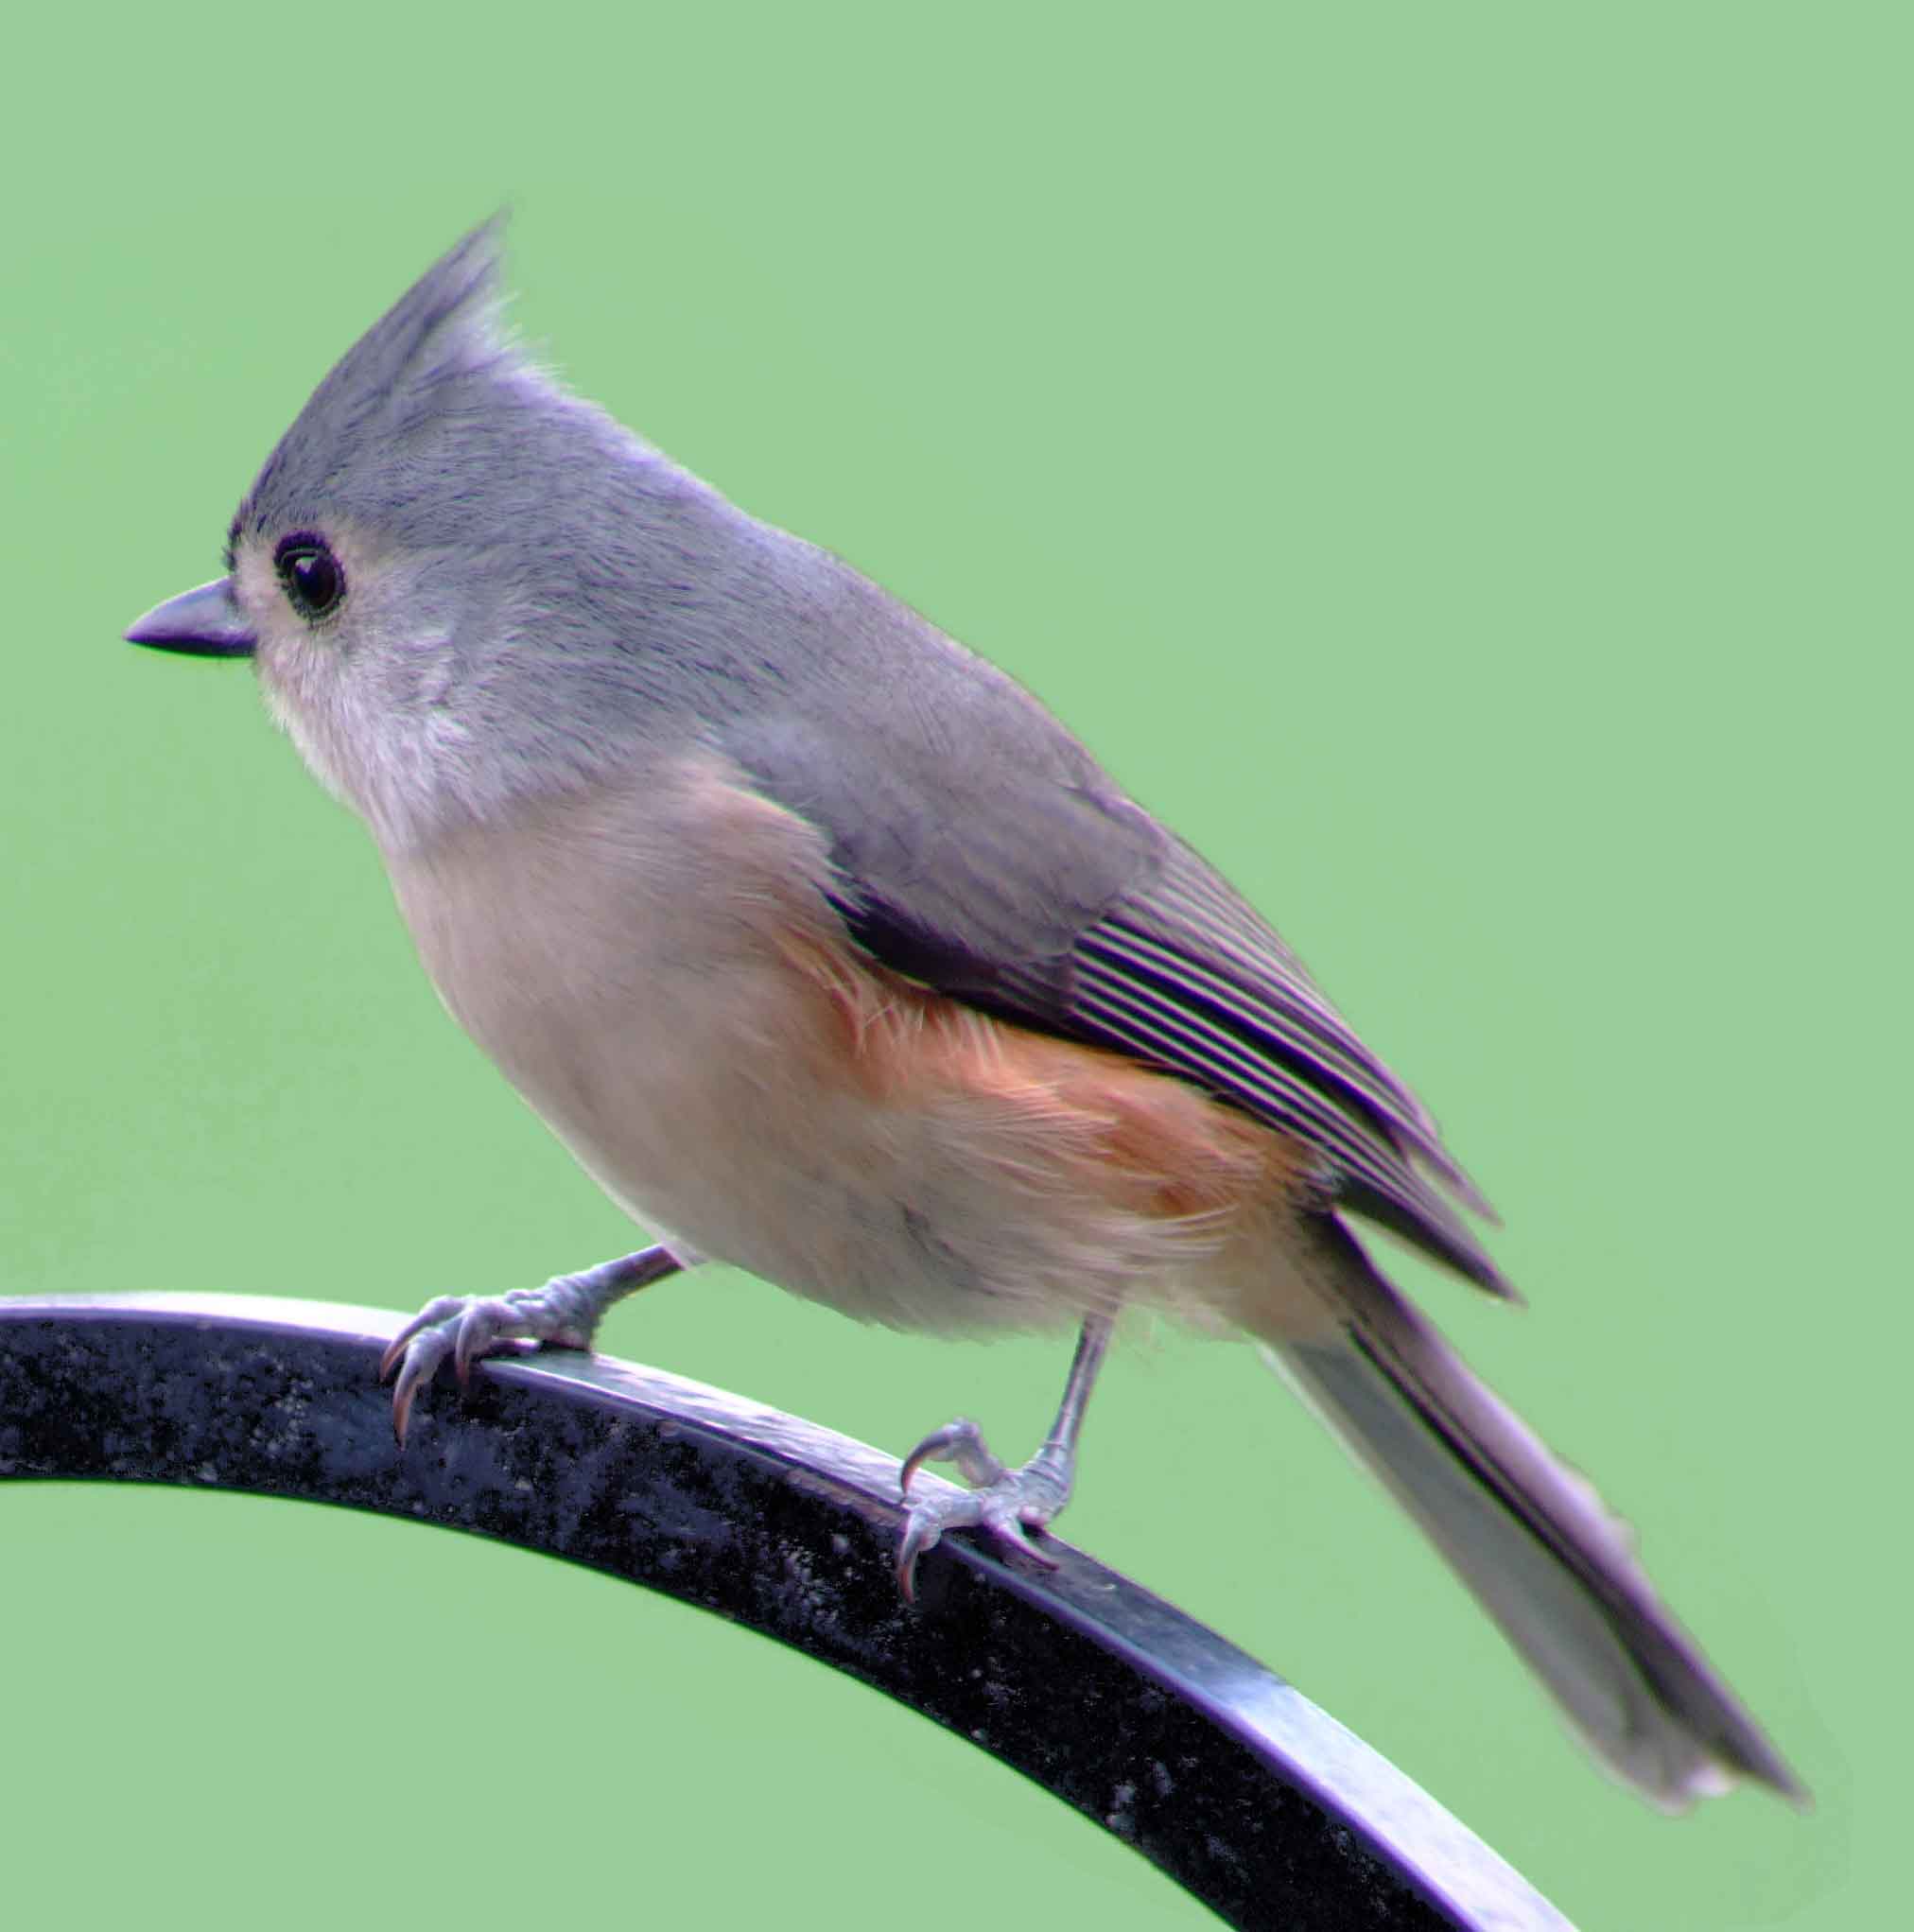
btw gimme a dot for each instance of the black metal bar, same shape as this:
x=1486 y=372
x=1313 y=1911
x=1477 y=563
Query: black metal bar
x=1240 y=1789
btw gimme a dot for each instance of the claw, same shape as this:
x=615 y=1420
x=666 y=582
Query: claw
x=931 y=1448
x=1013 y=1535
x=1009 y=1524
x=434 y=1311
x=466 y=1328
x=1010 y=1507
x=466 y=1344
x=917 y=1538
x=418 y=1349
x=961 y=1442
x=412 y=1378
x=564 y=1313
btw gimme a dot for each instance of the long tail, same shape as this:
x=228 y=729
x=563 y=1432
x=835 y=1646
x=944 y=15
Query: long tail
x=1533 y=1542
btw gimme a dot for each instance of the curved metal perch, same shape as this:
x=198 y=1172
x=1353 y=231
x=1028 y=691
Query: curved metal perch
x=1240 y=1789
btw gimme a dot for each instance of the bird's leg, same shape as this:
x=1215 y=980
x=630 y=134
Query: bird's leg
x=1002 y=1503
x=564 y=1313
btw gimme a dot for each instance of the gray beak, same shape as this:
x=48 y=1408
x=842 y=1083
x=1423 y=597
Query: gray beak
x=205 y=622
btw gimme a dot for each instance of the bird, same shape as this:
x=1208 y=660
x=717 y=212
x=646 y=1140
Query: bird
x=831 y=954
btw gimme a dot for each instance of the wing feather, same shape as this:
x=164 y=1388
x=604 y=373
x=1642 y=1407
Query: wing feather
x=988 y=855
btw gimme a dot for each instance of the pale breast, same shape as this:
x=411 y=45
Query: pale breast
x=663 y=979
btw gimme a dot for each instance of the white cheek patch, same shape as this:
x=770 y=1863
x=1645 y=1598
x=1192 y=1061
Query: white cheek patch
x=369 y=714
x=305 y=715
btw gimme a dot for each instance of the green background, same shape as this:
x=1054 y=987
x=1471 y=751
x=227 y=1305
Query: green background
x=1450 y=461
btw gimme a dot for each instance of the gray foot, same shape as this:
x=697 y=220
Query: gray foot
x=564 y=1313
x=1005 y=1504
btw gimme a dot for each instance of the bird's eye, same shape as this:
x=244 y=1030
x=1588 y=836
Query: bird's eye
x=314 y=583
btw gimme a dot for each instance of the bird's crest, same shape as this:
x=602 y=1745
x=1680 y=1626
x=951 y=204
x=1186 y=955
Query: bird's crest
x=428 y=364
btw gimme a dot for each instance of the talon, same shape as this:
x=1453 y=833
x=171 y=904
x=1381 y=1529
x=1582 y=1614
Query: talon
x=1013 y=1507
x=402 y=1402
x=961 y=1442
x=466 y=1342
x=1011 y=1528
x=933 y=1446
x=396 y=1347
x=424 y=1351
x=435 y=1309
x=467 y=1328
x=915 y=1542
x=1010 y=1507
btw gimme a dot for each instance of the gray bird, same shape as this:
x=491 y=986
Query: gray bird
x=829 y=953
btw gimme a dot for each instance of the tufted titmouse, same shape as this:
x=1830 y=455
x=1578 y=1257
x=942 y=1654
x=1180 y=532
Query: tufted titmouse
x=830 y=954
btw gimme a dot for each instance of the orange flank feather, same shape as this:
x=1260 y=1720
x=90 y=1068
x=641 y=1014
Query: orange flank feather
x=1100 y=1131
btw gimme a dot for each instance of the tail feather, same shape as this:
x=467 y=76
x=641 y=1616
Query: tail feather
x=1533 y=1542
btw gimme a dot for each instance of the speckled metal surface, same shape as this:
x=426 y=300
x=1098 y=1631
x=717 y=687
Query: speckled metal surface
x=1252 y=1799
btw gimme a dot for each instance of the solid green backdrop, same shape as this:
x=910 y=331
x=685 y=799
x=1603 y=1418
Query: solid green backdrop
x=1450 y=462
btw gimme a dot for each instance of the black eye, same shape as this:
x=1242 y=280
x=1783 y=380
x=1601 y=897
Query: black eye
x=311 y=574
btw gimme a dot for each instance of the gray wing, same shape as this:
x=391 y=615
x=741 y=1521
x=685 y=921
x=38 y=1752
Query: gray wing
x=979 y=850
